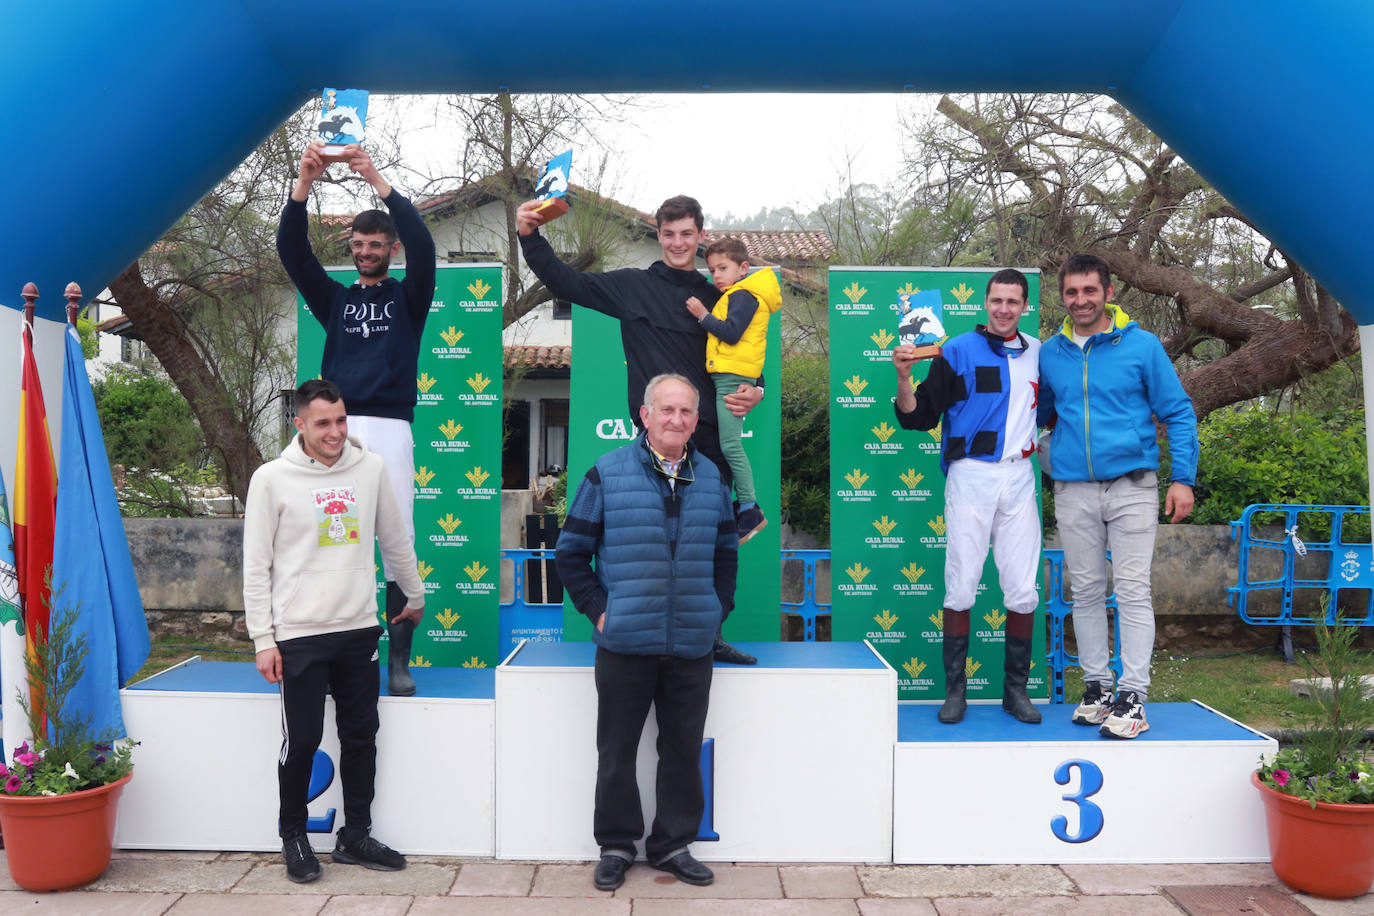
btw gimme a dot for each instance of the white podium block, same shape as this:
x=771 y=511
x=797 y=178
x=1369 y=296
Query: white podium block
x=799 y=760
x=205 y=772
x=994 y=790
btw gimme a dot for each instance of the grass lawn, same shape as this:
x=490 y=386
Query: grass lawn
x=170 y=651
x=1249 y=686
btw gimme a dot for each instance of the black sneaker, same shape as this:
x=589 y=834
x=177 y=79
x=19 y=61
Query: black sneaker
x=750 y=522
x=301 y=864
x=368 y=853
x=1126 y=718
x=1096 y=705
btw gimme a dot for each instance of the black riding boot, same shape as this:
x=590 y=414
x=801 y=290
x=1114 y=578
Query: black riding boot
x=1015 y=700
x=398 y=680
x=955 y=658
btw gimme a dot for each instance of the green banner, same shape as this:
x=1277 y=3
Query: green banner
x=887 y=502
x=599 y=423
x=457 y=432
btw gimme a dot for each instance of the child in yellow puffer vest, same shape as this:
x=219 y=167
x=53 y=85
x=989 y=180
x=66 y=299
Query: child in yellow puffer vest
x=737 y=330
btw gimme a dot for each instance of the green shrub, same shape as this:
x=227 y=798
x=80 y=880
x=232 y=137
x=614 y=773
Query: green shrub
x=1253 y=455
x=806 y=444
x=146 y=422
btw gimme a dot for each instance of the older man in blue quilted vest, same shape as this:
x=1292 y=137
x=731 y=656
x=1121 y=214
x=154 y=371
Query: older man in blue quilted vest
x=657 y=520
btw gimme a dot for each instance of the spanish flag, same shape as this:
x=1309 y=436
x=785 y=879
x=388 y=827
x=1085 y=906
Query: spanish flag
x=35 y=498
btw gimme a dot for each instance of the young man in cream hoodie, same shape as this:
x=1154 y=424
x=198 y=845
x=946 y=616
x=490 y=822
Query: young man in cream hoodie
x=310 y=606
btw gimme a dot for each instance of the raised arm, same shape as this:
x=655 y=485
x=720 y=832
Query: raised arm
x=595 y=291
x=410 y=229
x=293 y=239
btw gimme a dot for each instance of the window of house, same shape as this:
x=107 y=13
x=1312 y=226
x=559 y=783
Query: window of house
x=562 y=310
x=288 y=413
x=515 y=446
x=553 y=447
x=131 y=350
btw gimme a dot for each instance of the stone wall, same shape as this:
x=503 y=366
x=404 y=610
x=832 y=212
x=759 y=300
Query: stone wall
x=189 y=573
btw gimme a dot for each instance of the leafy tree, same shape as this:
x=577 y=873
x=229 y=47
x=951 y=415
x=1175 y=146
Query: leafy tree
x=506 y=140
x=1048 y=175
x=206 y=299
x=151 y=433
x=146 y=421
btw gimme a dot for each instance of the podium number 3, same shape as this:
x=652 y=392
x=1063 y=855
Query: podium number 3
x=1089 y=815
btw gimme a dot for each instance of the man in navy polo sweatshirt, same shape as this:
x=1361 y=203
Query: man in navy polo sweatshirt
x=656 y=518
x=372 y=335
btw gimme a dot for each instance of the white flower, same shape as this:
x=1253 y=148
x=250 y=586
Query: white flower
x=1361 y=777
x=47 y=792
x=69 y=772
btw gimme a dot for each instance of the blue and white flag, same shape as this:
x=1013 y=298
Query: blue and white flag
x=91 y=562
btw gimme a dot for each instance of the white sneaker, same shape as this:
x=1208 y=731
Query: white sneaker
x=1127 y=717
x=1096 y=705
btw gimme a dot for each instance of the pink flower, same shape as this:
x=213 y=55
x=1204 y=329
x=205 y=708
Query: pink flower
x=12 y=784
x=29 y=760
x=4 y=771
x=1281 y=777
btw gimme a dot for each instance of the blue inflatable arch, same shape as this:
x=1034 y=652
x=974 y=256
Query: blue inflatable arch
x=118 y=116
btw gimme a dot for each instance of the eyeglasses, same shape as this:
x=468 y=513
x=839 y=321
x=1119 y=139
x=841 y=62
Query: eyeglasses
x=374 y=245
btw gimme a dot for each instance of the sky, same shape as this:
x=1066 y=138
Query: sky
x=793 y=152
x=743 y=151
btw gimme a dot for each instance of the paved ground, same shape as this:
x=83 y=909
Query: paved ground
x=254 y=884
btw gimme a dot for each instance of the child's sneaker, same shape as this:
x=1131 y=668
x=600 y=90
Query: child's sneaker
x=1127 y=718
x=1096 y=705
x=750 y=522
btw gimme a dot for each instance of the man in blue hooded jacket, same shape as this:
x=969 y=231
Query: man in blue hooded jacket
x=656 y=518
x=1104 y=381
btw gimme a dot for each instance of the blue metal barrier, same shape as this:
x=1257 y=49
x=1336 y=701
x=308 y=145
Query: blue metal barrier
x=521 y=619
x=1335 y=565
x=543 y=622
x=808 y=608
x=1057 y=608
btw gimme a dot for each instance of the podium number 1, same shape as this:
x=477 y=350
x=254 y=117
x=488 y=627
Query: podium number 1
x=1089 y=815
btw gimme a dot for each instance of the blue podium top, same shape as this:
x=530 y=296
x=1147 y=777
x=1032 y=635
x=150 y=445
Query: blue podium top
x=773 y=655
x=916 y=723
x=243 y=677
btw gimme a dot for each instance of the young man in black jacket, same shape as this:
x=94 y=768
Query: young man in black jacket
x=657 y=332
x=372 y=335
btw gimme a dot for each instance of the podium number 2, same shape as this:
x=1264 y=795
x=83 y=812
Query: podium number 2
x=321 y=776
x=1089 y=815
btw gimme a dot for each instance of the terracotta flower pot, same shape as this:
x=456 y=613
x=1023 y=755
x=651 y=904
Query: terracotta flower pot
x=1327 y=851
x=60 y=842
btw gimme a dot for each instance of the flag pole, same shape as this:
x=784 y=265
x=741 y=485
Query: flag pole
x=73 y=296
x=30 y=295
